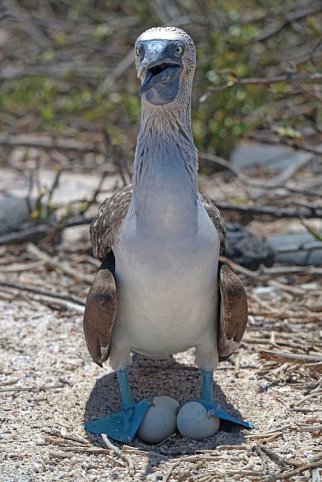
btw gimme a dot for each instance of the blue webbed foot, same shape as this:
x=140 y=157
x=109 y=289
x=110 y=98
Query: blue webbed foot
x=123 y=425
x=120 y=426
x=213 y=408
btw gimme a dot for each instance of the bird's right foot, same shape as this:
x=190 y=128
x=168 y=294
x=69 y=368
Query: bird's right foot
x=120 y=426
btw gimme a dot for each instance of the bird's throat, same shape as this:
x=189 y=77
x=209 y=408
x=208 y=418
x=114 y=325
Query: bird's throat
x=165 y=170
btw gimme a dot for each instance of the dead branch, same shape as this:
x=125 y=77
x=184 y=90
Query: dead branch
x=26 y=23
x=84 y=71
x=36 y=233
x=39 y=291
x=40 y=388
x=274 y=139
x=57 y=264
x=28 y=234
x=19 y=267
x=295 y=358
x=67 y=438
x=279 y=460
x=317 y=463
x=48 y=143
x=289 y=19
x=284 y=315
x=264 y=273
x=119 y=70
x=290 y=78
x=269 y=184
x=96 y=193
x=94 y=451
x=52 y=189
x=119 y=453
x=305 y=211
x=117 y=157
x=313 y=246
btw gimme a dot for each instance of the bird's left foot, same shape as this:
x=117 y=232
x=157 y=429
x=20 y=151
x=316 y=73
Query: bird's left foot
x=214 y=410
x=201 y=418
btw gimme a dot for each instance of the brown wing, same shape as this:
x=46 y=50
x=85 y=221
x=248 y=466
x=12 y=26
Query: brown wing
x=233 y=312
x=101 y=303
x=99 y=315
x=106 y=225
x=216 y=218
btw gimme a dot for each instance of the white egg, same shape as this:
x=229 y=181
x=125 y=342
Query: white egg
x=194 y=422
x=160 y=421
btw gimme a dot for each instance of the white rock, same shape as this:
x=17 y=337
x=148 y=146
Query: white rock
x=194 y=422
x=160 y=421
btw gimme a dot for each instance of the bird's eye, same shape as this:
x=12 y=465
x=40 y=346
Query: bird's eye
x=138 y=51
x=179 y=49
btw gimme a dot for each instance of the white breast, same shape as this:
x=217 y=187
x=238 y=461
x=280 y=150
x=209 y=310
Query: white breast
x=166 y=283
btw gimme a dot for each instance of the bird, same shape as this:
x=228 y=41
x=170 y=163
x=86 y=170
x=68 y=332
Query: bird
x=161 y=288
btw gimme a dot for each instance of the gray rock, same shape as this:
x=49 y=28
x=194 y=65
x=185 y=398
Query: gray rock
x=299 y=249
x=246 y=249
x=256 y=154
x=13 y=214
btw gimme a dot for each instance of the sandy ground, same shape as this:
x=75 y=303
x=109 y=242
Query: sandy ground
x=49 y=386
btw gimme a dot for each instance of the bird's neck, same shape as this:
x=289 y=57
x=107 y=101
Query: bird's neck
x=165 y=149
x=165 y=168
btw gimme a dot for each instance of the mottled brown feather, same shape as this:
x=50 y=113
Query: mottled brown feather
x=105 y=227
x=233 y=312
x=217 y=220
x=99 y=315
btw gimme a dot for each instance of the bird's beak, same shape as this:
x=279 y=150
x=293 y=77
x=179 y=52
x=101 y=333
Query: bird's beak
x=160 y=69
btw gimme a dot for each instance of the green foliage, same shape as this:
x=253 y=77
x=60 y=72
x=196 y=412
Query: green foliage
x=235 y=40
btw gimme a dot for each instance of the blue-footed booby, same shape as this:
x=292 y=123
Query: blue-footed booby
x=161 y=289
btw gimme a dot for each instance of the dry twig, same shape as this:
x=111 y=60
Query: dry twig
x=40 y=388
x=307 y=211
x=119 y=453
x=290 y=357
x=58 y=264
x=299 y=470
x=38 y=291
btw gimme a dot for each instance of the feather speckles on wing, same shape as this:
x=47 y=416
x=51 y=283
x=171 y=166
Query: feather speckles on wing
x=217 y=220
x=106 y=225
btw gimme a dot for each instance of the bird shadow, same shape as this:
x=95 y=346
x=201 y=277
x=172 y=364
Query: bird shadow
x=148 y=378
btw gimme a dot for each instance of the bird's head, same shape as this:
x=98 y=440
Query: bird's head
x=165 y=58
